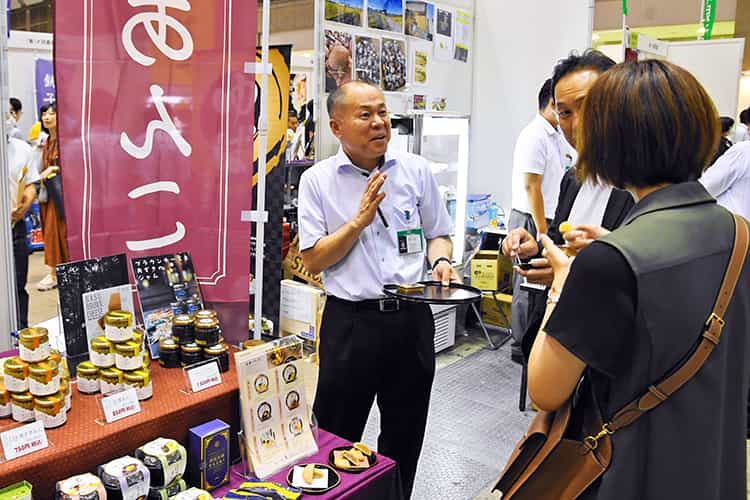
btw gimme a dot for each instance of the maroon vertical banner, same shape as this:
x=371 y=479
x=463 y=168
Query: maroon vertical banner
x=155 y=121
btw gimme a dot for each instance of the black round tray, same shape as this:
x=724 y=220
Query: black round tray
x=372 y=459
x=435 y=293
x=333 y=480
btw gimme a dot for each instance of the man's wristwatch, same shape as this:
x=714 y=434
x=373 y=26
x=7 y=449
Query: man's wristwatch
x=439 y=260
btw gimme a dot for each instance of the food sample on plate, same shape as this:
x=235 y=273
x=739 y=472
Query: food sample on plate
x=410 y=288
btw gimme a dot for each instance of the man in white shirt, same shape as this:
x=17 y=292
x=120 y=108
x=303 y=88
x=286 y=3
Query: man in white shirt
x=539 y=163
x=728 y=180
x=22 y=183
x=740 y=130
x=14 y=118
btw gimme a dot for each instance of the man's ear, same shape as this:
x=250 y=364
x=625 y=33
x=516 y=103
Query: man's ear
x=335 y=127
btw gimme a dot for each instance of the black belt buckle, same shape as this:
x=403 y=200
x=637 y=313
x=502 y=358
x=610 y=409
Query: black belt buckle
x=388 y=305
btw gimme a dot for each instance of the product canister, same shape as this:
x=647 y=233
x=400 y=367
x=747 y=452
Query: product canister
x=118 y=326
x=182 y=329
x=50 y=410
x=208 y=448
x=65 y=390
x=88 y=377
x=125 y=478
x=82 y=487
x=169 y=353
x=5 y=409
x=102 y=352
x=129 y=355
x=206 y=314
x=140 y=380
x=16 y=374
x=166 y=460
x=44 y=378
x=190 y=354
x=22 y=407
x=219 y=352
x=33 y=344
x=111 y=380
x=207 y=331
x=169 y=492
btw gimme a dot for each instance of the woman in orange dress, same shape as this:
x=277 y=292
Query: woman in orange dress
x=53 y=221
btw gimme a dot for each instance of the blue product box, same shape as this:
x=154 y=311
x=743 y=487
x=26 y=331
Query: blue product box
x=208 y=459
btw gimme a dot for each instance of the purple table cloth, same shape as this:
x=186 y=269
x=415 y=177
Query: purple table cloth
x=382 y=481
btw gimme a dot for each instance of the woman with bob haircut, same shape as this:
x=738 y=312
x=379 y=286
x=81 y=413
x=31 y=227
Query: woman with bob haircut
x=634 y=303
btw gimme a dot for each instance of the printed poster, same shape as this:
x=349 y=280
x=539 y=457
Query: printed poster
x=367 y=59
x=345 y=11
x=444 y=35
x=338 y=60
x=420 y=19
x=386 y=15
x=393 y=62
x=463 y=36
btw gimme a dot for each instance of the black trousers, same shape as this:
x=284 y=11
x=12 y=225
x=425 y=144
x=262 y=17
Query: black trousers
x=21 y=263
x=367 y=354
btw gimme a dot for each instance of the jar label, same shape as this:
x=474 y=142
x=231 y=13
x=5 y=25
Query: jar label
x=145 y=392
x=41 y=353
x=6 y=410
x=38 y=389
x=51 y=421
x=14 y=384
x=102 y=360
x=88 y=386
x=129 y=362
x=21 y=414
x=117 y=334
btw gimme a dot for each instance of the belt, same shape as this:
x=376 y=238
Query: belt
x=386 y=305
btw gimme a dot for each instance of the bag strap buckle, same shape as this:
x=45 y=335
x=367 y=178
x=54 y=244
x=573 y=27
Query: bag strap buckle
x=592 y=442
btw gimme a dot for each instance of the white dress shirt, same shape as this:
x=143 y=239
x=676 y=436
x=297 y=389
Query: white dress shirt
x=19 y=155
x=740 y=133
x=330 y=193
x=538 y=151
x=728 y=180
x=590 y=204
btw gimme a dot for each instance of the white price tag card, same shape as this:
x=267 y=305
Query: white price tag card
x=204 y=376
x=24 y=440
x=120 y=405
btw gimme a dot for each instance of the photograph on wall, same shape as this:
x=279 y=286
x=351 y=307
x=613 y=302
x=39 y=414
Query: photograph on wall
x=367 y=59
x=166 y=287
x=338 y=62
x=444 y=22
x=419 y=102
x=420 y=67
x=345 y=11
x=420 y=19
x=462 y=36
x=444 y=35
x=393 y=62
x=386 y=15
x=439 y=104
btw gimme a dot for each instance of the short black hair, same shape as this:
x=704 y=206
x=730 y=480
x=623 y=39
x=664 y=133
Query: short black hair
x=15 y=104
x=545 y=94
x=335 y=97
x=745 y=116
x=726 y=124
x=590 y=59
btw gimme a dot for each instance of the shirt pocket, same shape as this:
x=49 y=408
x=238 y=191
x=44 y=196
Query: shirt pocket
x=406 y=216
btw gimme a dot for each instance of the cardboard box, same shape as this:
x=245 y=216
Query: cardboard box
x=491 y=270
x=208 y=458
x=491 y=313
x=301 y=310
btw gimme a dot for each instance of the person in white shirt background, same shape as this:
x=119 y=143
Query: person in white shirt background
x=15 y=110
x=740 y=129
x=728 y=180
x=539 y=162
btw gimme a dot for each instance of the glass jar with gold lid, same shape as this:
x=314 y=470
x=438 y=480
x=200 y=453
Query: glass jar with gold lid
x=219 y=352
x=183 y=330
x=22 y=406
x=207 y=332
x=33 y=344
x=50 y=410
x=206 y=314
x=111 y=380
x=44 y=378
x=102 y=352
x=5 y=410
x=140 y=380
x=129 y=355
x=88 y=377
x=169 y=353
x=16 y=374
x=190 y=354
x=118 y=326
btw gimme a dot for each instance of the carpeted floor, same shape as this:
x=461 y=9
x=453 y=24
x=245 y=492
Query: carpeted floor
x=473 y=424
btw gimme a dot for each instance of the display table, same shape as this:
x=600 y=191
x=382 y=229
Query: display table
x=83 y=443
x=382 y=481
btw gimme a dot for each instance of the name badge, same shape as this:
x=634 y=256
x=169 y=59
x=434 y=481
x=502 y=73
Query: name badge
x=410 y=241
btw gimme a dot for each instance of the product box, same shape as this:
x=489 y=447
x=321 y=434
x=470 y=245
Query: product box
x=485 y=270
x=301 y=310
x=491 y=314
x=18 y=491
x=208 y=459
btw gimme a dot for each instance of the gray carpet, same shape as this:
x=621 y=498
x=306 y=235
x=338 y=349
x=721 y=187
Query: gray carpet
x=473 y=424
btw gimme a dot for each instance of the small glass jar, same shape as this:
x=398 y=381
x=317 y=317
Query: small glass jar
x=166 y=460
x=190 y=354
x=110 y=381
x=33 y=344
x=219 y=352
x=183 y=330
x=44 y=378
x=5 y=409
x=50 y=410
x=206 y=314
x=66 y=392
x=16 y=375
x=171 y=491
x=169 y=354
x=207 y=332
x=88 y=377
x=118 y=326
x=140 y=380
x=102 y=352
x=82 y=487
x=22 y=407
x=129 y=355
x=125 y=477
